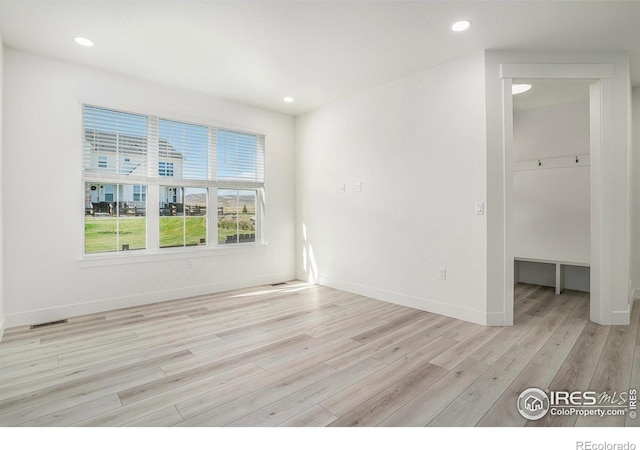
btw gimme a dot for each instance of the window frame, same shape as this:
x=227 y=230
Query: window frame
x=152 y=182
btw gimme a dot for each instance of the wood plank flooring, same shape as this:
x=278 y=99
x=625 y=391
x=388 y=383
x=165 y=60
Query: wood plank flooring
x=304 y=355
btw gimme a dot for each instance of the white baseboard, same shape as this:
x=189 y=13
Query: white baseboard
x=621 y=317
x=79 y=309
x=495 y=319
x=2 y=322
x=466 y=314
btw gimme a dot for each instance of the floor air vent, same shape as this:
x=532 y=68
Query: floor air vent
x=279 y=284
x=47 y=324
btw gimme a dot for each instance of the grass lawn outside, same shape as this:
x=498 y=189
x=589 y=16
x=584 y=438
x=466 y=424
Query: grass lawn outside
x=173 y=233
x=101 y=234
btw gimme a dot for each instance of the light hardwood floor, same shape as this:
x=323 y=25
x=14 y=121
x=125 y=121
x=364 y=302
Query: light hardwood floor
x=303 y=355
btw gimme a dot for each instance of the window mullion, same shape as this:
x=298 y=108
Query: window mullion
x=237 y=217
x=212 y=217
x=117 y=218
x=153 y=217
x=153 y=147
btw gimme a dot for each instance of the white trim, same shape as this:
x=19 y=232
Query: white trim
x=508 y=292
x=2 y=322
x=110 y=304
x=423 y=304
x=566 y=71
x=601 y=159
x=167 y=254
x=621 y=317
x=495 y=319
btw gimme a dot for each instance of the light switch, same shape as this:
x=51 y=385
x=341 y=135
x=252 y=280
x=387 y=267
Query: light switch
x=479 y=208
x=342 y=188
x=359 y=187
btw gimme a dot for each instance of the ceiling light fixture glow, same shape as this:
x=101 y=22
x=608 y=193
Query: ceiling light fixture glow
x=288 y=99
x=461 y=25
x=519 y=88
x=83 y=41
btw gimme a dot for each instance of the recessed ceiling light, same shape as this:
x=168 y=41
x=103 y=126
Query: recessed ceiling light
x=84 y=41
x=461 y=25
x=288 y=99
x=519 y=88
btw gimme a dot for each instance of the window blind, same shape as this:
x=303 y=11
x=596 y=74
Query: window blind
x=114 y=142
x=183 y=150
x=119 y=143
x=240 y=156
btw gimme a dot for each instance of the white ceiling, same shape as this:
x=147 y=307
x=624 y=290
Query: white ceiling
x=315 y=51
x=550 y=92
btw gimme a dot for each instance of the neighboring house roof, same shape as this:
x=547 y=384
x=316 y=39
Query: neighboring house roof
x=106 y=142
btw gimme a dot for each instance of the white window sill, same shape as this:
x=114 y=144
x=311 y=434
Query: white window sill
x=146 y=256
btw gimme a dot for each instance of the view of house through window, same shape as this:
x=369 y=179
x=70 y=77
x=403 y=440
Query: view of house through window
x=236 y=216
x=129 y=158
x=114 y=220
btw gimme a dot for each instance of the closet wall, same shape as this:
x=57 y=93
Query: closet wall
x=552 y=191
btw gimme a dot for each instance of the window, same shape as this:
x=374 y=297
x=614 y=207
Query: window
x=139 y=193
x=115 y=136
x=236 y=216
x=109 y=192
x=183 y=216
x=240 y=156
x=111 y=223
x=165 y=169
x=179 y=164
x=240 y=164
x=186 y=147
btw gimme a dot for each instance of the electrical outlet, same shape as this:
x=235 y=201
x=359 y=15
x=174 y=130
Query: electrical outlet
x=188 y=264
x=342 y=188
x=442 y=273
x=359 y=187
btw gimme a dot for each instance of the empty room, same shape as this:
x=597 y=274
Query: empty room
x=307 y=214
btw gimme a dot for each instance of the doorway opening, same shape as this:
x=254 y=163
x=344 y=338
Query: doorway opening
x=601 y=181
x=551 y=192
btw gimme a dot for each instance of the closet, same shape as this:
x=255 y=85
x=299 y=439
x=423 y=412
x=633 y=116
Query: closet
x=551 y=184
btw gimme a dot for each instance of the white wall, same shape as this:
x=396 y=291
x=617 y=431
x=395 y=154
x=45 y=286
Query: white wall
x=42 y=164
x=2 y=309
x=551 y=206
x=614 y=306
x=417 y=145
x=635 y=180
x=551 y=131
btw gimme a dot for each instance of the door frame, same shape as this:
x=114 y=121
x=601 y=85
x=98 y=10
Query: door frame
x=601 y=175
